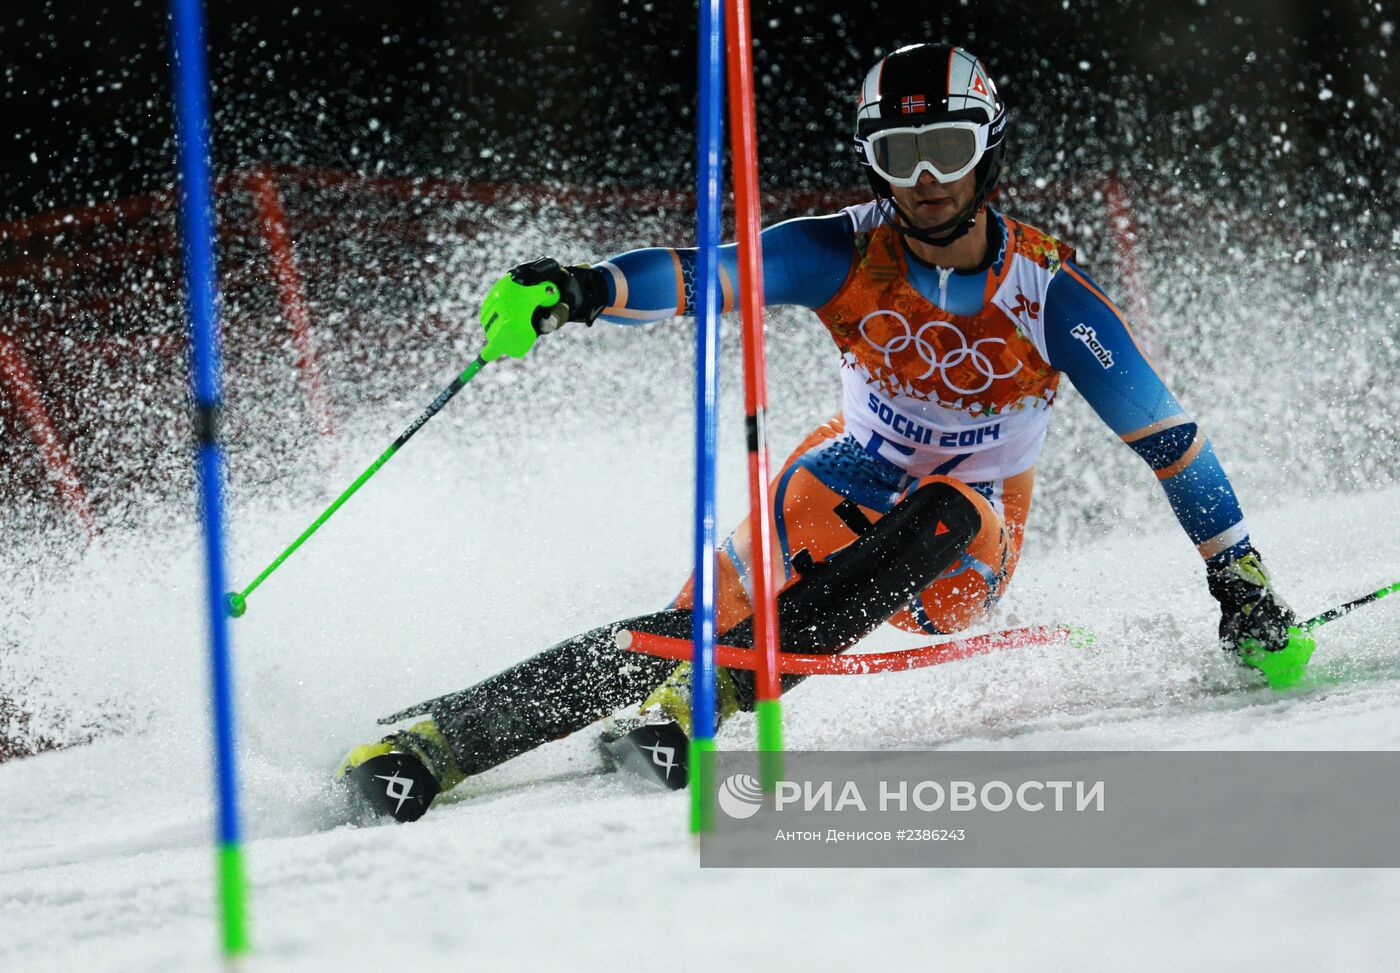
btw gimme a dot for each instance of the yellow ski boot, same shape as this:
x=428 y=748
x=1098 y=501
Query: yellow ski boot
x=402 y=773
x=655 y=743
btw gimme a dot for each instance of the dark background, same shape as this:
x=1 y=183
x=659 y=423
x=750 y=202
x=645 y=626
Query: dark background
x=1252 y=237
x=1285 y=106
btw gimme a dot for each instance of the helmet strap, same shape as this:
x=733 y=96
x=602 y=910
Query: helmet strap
x=938 y=236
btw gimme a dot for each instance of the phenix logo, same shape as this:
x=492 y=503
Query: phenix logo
x=1091 y=341
x=740 y=796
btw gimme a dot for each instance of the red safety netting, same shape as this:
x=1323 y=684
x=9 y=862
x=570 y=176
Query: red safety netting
x=326 y=278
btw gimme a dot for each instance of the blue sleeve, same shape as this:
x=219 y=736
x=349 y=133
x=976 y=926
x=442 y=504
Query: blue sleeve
x=1089 y=341
x=805 y=262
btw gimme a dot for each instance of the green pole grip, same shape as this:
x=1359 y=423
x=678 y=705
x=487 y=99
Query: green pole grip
x=508 y=316
x=1285 y=667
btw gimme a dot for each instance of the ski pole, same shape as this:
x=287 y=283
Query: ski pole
x=238 y=600
x=514 y=316
x=1284 y=667
x=1334 y=613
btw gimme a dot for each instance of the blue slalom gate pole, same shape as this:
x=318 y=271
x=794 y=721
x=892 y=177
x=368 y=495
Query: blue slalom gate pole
x=190 y=83
x=708 y=304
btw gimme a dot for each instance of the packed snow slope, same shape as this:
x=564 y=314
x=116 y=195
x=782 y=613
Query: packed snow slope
x=429 y=581
x=553 y=495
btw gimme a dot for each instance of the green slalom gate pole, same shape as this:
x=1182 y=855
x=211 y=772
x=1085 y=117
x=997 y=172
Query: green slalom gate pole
x=511 y=314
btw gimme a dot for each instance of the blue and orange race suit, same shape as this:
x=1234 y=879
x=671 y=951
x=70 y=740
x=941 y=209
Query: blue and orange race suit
x=946 y=375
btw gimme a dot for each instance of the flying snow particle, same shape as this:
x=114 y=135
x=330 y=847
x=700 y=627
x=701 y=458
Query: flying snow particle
x=1325 y=94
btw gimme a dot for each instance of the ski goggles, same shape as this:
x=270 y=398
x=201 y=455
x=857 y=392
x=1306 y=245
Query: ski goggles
x=948 y=150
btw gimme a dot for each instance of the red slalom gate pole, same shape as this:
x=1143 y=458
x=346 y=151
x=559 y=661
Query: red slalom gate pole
x=744 y=145
x=860 y=663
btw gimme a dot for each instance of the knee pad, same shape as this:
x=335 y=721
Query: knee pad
x=836 y=602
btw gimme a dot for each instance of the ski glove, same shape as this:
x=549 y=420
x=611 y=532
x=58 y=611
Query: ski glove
x=1250 y=609
x=539 y=298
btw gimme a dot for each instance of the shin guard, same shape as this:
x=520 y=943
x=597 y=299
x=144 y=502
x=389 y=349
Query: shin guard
x=835 y=603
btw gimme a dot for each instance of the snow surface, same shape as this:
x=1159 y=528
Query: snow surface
x=545 y=863
x=552 y=496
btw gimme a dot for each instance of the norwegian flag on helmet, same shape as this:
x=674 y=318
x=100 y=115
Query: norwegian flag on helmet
x=913 y=104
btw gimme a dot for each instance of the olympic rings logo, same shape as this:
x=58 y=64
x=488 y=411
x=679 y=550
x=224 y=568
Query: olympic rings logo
x=928 y=353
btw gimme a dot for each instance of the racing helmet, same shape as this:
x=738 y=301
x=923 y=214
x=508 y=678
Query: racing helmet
x=930 y=108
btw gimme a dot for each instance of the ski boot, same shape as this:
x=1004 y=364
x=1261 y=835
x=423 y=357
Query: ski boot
x=656 y=742
x=401 y=774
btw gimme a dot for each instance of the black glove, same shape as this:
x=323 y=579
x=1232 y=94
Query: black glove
x=1249 y=606
x=583 y=291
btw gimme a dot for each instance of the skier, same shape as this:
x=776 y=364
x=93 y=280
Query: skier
x=954 y=324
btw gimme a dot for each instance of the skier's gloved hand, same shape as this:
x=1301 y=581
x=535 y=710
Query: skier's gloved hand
x=1250 y=610
x=583 y=291
x=538 y=298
